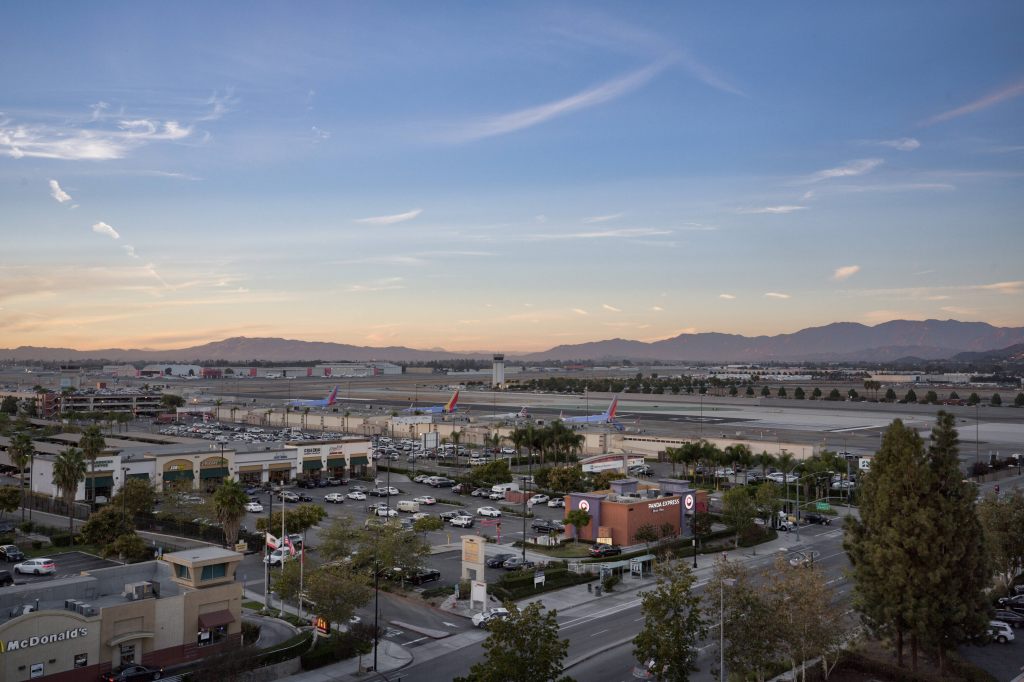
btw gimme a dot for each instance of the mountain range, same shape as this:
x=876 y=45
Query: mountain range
x=839 y=341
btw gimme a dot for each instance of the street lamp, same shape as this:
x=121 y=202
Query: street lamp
x=726 y=582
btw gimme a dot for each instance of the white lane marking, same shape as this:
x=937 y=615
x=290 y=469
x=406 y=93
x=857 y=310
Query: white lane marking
x=599 y=614
x=416 y=640
x=451 y=625
x=600 y=632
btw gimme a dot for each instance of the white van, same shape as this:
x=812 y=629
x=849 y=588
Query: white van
x=408 y=506
x=1000 y=631
x=504 y=487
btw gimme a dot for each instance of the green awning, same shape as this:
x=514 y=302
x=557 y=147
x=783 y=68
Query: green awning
x=336 y=463
x=359 y=459
x=144 y=477
x=312 y=465
x=182 y=475
x=216 y=472
x=99 y=481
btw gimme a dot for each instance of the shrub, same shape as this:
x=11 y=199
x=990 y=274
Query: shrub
x=610 y=581
x=26 y=526
x=61 y=539
x=37 y=544
x=250 y=633
x=6 y=539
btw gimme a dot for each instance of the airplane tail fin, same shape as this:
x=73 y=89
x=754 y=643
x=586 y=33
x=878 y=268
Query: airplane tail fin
x=610 y=414
x=333 y=396
x=523 y=413
x=450 y=405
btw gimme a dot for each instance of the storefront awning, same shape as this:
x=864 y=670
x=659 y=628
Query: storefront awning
x=182 y=475
x=100 y=481
x=359 y=460
x=312 y=465
x=277 y=466
x=215 y=472
x=142 y=476
x=208 y=621
x=249 y=468
x=336 y=463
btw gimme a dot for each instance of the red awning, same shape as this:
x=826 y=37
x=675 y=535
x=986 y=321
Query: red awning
x=208 y=621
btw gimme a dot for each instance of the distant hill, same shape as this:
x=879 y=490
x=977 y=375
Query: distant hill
x=840 y=341
x=1014 y=353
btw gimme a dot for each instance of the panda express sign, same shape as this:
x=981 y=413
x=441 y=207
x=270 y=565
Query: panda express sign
x=39 y=640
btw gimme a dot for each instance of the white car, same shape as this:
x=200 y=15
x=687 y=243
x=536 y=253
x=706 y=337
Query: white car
x=508 y=451
x=384 y=511
x=489 y=511
x=279 y=556
x=538 y=499
x=481 y=620
x=556 y=502
x=419 y=515
x=356 y=495
x=425 y=499
x=334 y=498
x=40 y=566
x=462 y=521
x=255 y=507
x=496 y=496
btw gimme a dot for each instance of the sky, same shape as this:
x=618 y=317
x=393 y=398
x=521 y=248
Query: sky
x=505 y=176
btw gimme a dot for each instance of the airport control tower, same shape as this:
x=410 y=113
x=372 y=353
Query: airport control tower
x=498 y=372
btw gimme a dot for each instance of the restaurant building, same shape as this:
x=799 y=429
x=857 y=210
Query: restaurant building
x=616 y=514
x=178 y=609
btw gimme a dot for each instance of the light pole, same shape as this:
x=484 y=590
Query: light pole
x=523 y=478
x=726 y=582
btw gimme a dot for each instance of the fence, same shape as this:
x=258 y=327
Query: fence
x=54 y=505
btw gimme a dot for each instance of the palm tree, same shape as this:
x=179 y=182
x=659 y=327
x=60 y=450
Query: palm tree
x=21 y=451
x=229 y=504
x=68 y=472
x=92 y=444
x=455 y=437
x=765 y=459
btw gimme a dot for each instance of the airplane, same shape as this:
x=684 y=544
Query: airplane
x=521 y=414
x=326 y=402
x=447 y=408
x=608 y=417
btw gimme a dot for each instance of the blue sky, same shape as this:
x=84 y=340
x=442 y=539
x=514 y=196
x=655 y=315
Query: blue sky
x=476 y=176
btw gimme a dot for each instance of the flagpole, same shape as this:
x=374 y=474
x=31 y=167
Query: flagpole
x=282 y=543
x=302 y=565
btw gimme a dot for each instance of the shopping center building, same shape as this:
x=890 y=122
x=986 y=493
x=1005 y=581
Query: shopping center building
x=178 y=609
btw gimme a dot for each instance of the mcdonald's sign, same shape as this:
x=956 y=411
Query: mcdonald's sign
x=322 y=625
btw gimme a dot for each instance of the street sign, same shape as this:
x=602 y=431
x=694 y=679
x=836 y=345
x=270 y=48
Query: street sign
x=538 y=579
x=823 y=506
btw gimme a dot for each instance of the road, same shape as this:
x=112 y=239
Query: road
x=597 y=630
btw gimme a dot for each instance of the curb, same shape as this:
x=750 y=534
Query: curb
x=596 y=652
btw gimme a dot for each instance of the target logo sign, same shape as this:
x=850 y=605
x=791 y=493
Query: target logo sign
x=688 y=501
x=584 y=506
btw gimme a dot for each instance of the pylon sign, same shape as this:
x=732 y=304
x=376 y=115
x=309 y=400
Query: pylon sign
x=322 y=625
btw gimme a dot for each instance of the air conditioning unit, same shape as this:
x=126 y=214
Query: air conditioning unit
x=71 y=604
x=82 y=607
x=89 y=610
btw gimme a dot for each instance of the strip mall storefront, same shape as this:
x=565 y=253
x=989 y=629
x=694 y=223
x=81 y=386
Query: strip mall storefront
x=345 y=458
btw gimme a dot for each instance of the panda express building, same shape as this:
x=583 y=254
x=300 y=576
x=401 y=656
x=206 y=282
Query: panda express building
x=157 y=613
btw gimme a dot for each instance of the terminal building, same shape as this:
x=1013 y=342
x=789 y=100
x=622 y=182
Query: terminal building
x=178 y=609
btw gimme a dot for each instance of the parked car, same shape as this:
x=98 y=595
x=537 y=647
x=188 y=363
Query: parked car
x=462 y=521
x=489 y=511
x=289 y=496
x=40 y=566
x=337 y=481
x=6 y=578
x=359 y=488
x=1015 y=602
x=309 y=483
x=546 y=526
x=481 y=492
x=425 y=499
x=641 y=470
x=278 y=556
x=424 y=575
x=447 y=516
x=384 y=511
x=605 y=550
x=133 y=673
x=538 y=499
x=303 y=497
x=460 y=488
x=421 y=478
x=497 y=560
x=419 y=515
x=557 y=502
x=481 y=620
x=334 y=498
x=356 y=495
x=254 y=491
x=1011 y=618
x=516 y=563
x=443 y=483
x=254 y=507
x=11 y=553
x=1000 y=631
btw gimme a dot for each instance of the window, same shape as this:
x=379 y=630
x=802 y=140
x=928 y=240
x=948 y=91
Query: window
x=182 y=572
x=214 y=571
x=127 y=654
x=81 y=660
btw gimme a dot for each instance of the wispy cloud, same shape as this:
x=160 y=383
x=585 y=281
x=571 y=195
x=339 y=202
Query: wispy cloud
x=527 y=118
x=602 y=218
x=903 y=144
x=98 y=109
x=775 y=294
x=773 y=210
x=626 y=233
x=580 y=311
x=857 y=167
x=130 y=250
x=106 y=230
x=1007 y=93
x=657 y=308
x=611 y=308
x=85 y=144
x=319 y=134
x=956 y=310
x=220 y=104
x=1014 y=287
x=384 y=284
x=57 y=193
x=845 y=272
x=727 y=297
x=391 y=219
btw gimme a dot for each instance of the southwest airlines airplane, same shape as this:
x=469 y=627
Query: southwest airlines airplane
x=326 y=402
x=447 y=408
x=607 y=417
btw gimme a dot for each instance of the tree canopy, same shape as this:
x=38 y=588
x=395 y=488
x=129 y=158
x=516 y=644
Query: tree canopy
x=674 y=623
x=524 y=647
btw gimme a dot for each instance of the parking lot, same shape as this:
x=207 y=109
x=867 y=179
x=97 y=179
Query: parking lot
x=69 y=563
